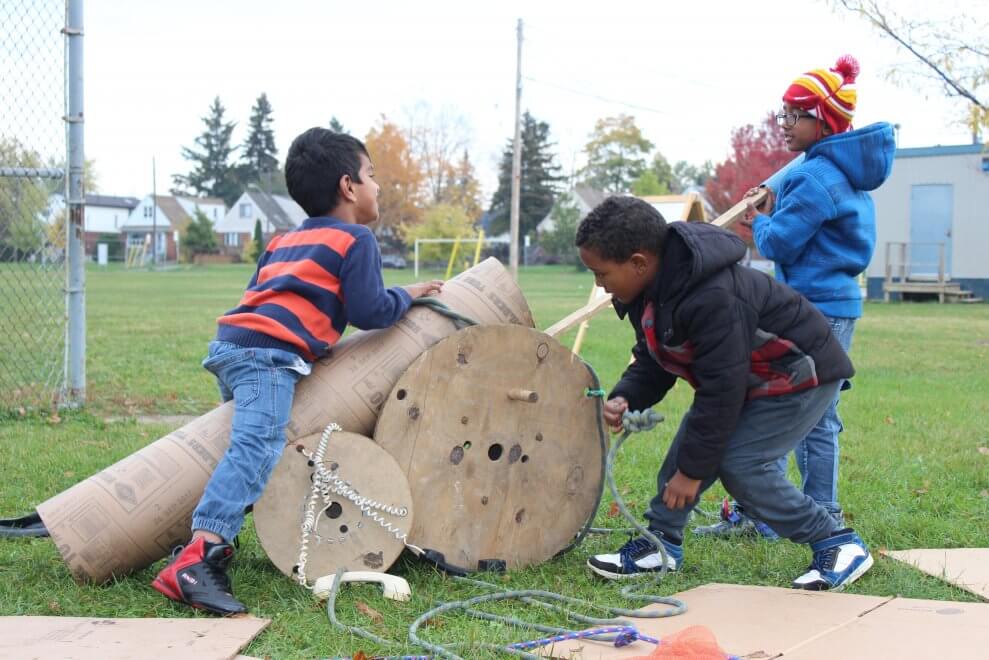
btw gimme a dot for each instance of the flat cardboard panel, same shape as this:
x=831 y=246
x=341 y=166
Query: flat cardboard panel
x=967 y=568
x=751 y=622
x=906 y=629
x=133 y=512
x=77 y=638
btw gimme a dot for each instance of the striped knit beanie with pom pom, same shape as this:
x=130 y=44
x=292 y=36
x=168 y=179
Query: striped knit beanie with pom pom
x=828 y=94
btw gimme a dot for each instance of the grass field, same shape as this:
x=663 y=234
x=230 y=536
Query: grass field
x=914 y=465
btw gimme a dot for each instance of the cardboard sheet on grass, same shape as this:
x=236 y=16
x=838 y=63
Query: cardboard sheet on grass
x=967 y=568
x=76 y=638
x=133 y=512
x=772 y=622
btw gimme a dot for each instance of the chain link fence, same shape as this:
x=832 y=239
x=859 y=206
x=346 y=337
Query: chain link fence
x=33 y=208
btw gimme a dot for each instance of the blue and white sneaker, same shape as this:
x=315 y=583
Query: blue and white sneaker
x=636 y=557
x=734 y=522
x=838 y=561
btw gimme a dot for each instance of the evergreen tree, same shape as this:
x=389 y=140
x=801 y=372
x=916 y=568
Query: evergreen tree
x=540 y=180
x=336 y=126
x=256 y=247
x=213 y=174
x=260 y=155
x=199 y=236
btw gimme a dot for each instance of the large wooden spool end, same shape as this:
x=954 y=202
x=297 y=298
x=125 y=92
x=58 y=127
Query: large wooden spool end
x=503 y=449
x=343 y=535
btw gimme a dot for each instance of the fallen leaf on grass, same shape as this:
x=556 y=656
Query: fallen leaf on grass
x=984 y=493
x=21 y=412
x=923 y=491
x=369 y=612
x=890 y=420
x=54 y=419
x=68 y=473
x=613 y=511
x=54 y=606
x=984 y=451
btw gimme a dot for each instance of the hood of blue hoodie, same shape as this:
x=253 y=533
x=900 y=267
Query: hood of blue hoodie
x=865 y=155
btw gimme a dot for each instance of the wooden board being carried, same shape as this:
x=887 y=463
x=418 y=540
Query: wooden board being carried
x=503 y=449
x=343 y=535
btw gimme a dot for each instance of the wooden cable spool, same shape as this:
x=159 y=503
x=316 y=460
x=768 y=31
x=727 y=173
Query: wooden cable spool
x=343 y=535
x=503 y=449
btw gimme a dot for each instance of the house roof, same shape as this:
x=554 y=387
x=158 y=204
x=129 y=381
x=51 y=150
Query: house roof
x=203 y=200
x=109 y=201
x=940 y=150
x=176 y=215
x=272 y=210
x=591 y=196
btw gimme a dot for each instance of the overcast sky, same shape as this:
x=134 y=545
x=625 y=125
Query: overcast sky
x=688 y=71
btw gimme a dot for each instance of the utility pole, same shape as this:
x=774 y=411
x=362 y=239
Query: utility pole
x=513 y=247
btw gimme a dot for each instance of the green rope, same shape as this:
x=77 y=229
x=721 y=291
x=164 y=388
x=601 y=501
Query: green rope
x=441 y=308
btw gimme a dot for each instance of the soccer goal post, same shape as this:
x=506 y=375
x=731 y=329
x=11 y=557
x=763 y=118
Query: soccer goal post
x=474 y=240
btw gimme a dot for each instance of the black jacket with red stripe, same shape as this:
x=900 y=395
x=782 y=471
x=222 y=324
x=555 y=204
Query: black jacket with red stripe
x=309 y=284
x=732 y=332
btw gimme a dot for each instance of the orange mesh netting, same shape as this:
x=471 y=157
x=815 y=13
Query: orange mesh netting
x=693 y=643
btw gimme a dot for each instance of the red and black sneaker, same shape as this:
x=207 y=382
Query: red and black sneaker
x=197 y=576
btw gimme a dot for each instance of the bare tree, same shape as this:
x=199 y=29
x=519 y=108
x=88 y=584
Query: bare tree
x=437 y=139
x=951 y=52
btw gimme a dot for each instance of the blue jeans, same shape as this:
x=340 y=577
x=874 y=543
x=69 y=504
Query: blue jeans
x=767 y=430
x=261 y=383
x=817 y=454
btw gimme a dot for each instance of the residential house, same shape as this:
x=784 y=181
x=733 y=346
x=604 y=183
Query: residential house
x=278 y=214
x=585 y=197
x=103 y=218
x=932 y=224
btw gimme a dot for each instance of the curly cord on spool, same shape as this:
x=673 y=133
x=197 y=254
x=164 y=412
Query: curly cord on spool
x=325 y=483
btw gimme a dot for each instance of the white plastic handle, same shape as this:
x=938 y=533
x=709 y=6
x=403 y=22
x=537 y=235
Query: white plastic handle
x=394 y=587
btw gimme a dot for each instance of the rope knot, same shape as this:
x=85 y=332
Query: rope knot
x=634 y=421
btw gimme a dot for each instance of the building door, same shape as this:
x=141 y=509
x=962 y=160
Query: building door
x=931 y=209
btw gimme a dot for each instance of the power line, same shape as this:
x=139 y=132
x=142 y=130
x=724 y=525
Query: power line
x=597 y=97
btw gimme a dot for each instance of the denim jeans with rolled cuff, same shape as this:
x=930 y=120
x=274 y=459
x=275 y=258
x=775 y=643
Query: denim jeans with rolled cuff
x=261 y=383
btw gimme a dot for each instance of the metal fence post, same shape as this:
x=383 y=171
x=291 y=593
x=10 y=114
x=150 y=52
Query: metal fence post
x=75 y=290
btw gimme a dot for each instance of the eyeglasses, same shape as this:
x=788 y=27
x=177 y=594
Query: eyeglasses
x=790 y=119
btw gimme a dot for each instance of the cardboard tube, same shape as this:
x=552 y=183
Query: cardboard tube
x=133 y=512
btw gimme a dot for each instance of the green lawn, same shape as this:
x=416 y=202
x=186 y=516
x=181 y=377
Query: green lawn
x=912 y=471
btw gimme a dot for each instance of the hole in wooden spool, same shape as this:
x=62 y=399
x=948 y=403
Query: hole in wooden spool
x=457 y=455
x=484 y=500
x=525 y=458
x=334 y=510
x=519 y=515
x=343 y=529
x=494 y=451
x=400 y=394
x=539 y=437
x=334 y=466
x=515 y=453
x=295 y=569
x=467 y=445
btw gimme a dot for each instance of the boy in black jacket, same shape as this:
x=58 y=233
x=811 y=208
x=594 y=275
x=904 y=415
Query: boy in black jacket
x=763 y=364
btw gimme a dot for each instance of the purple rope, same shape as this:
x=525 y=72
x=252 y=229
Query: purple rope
x=623 y=636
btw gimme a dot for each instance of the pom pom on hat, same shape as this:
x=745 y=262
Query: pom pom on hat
x=828 y=94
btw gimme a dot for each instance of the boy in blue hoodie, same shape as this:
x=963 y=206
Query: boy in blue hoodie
x=819 y=227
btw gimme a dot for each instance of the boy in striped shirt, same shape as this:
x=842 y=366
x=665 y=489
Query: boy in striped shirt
x=309 y=284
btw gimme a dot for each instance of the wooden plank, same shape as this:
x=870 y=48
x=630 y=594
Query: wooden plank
x=577 y=317
x=737 y=212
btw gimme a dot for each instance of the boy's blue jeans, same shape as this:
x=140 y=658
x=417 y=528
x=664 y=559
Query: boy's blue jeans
x=817 y=453
x=261 y=382
x=768 y=429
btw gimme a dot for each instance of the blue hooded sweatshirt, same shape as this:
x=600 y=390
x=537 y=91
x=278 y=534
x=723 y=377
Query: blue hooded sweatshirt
x=822 y=231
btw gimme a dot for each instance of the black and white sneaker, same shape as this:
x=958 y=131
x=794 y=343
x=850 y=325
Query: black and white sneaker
x=636 y=557
x=838 y=561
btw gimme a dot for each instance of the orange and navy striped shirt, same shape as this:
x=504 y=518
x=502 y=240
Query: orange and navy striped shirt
x=309 y=284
